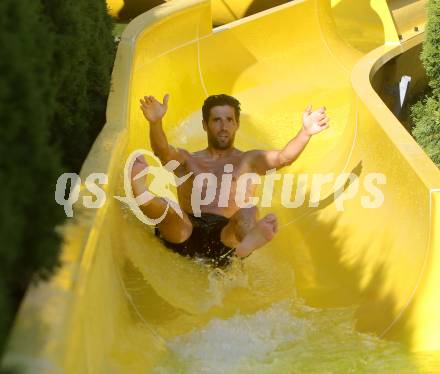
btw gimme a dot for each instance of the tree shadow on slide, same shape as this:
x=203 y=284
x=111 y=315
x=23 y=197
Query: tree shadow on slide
x=132 y=8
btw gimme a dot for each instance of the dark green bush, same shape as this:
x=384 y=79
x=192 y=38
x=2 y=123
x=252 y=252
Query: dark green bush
x=85 y=50
x=426 y=117
x=28 y=164
x=425 y=114
x=430 y=55
x=54 y=81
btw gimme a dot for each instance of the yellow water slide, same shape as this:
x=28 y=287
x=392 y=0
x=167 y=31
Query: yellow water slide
x=122 y=303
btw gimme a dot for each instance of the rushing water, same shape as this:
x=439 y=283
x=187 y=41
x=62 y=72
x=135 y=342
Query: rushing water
x=287 y=337
x=283 y=336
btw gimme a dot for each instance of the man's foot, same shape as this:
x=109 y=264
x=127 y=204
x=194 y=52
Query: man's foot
x=139 y=166
x=138 y=181
x=262 y=233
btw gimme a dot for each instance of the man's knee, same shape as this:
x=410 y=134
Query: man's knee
x=175 y=233
x=244 y=221
x=249 y=213
x=174 y=228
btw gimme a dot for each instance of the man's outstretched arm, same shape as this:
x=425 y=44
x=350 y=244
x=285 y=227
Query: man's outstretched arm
x=312 y=123
x=154 y=111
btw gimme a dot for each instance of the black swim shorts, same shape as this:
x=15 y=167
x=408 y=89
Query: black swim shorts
x=204 y=241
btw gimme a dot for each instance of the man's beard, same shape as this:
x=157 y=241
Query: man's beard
x=221 y=143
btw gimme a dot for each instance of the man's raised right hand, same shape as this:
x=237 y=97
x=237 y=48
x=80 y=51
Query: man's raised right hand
x=154 y=110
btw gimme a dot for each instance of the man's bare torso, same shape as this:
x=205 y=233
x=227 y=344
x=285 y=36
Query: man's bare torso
x=204 y=162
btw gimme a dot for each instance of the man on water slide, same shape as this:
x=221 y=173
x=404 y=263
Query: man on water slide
x=221 y=228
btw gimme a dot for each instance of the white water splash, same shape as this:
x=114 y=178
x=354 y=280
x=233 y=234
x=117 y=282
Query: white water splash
x=223 y=346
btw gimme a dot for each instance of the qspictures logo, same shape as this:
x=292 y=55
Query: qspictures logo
x=208 y=188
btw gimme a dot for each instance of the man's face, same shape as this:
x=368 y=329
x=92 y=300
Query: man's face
x=221 y=127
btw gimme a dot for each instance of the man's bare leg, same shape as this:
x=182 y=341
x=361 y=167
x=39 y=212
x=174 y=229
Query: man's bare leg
x=246 y=233
x=173 y=228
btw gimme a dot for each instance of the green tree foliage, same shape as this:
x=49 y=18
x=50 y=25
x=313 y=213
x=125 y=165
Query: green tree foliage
x=425 y=114
x=430 y=55
x=56 y=60
x=85 y=51
x=426 y=117
x=28 y=164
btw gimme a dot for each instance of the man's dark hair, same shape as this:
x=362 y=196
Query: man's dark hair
x=216 y=100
